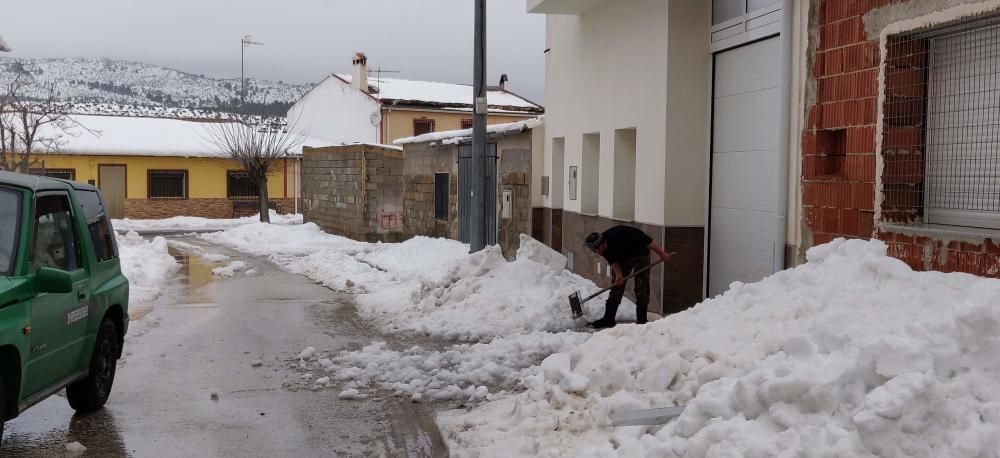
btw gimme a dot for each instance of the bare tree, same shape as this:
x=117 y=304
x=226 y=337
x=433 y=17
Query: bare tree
x=31 y=126
x=258 y=144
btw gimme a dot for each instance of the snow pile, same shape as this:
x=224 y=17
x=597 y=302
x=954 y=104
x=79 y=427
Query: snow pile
x=485 y=296
x=424 y=259
x=147 y=265
x=198 y=224
x=852 y=354
x=426 y=285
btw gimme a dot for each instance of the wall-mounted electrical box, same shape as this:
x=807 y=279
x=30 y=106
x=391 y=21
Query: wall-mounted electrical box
x=507 y=203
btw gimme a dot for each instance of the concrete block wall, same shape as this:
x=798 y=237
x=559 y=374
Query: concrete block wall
x=840 y=159
x=423 y=160
x=354 y=191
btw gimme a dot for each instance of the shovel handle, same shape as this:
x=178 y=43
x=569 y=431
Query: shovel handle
x=627 y=278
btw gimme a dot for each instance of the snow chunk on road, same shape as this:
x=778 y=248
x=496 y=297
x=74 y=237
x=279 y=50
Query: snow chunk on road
x=308 y=353
x=75 y=448
x=349 y=394
x=851 y=354
x=461 y=372
x=230 y=270
x=147 y=264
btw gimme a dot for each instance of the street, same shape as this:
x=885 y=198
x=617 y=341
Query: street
x=206 y=373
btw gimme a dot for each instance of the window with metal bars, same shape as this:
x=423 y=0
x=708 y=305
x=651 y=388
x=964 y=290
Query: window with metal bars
x=239 y=186
x=422 y=126
x=441 y=189
x=168 y=184
x=941 y=126
x=65 y=174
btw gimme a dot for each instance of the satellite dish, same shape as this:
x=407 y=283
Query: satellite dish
x=375 y=118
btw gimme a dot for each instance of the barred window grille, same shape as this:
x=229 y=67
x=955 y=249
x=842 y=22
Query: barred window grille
x=941 y=138
x=168 y=184
x=441 y=191
x=240 y=186
x=65 y=174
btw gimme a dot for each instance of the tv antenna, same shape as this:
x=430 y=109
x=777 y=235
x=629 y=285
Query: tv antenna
x=378 y=71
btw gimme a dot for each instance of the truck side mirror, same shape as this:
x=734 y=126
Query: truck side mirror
x=49 y=280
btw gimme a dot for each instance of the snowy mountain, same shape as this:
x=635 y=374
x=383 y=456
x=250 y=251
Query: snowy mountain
x=107 y=86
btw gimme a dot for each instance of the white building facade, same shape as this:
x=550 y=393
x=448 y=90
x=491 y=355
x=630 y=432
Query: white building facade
x=667 y=115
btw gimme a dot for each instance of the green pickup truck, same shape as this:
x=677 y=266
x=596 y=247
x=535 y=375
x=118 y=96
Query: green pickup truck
x=63 y=298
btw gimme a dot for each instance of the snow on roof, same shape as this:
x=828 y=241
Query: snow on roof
x=313 y=142
x=413 y=92
x=452 y=137
x=134 y=136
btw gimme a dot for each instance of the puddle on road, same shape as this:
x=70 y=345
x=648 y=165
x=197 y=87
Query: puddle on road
x=193 y=275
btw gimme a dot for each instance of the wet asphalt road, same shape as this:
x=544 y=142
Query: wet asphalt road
x=202 y=338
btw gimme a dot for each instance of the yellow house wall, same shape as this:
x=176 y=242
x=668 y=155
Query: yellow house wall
x=206 y=176
x=401 y=121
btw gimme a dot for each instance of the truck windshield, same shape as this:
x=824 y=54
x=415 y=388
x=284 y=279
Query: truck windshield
x=10 y=222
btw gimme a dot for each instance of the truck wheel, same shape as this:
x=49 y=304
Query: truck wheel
x=90 y=393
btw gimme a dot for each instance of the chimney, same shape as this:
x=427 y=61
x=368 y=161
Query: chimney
x=504 y=83
x=359 y=77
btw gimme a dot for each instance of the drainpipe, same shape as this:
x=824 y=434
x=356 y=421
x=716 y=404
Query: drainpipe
x=784 y=128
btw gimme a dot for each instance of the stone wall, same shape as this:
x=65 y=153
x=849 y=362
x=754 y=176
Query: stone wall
x=423 y=160
x=205 y=208
x=355 y=191
x=515 y=176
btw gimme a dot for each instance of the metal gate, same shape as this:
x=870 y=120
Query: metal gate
x=465 y=192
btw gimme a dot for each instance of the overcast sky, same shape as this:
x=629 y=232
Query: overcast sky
x=303 y=39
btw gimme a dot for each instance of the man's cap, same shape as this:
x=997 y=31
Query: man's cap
x=594 y=240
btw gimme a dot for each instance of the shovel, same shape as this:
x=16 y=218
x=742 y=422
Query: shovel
x=576 y=304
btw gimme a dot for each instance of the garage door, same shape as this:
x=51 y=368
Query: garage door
x=743 y=225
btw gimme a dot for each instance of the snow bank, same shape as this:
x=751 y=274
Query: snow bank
x=147 y=264
x=426 y=285
x=194 y=223
x=852 y=354
x=484 y=296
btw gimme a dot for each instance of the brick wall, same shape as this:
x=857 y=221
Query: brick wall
x=205 y=208
x=355 y=191
x=839 y=155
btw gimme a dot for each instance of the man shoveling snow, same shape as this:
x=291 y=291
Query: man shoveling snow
x=627 y=250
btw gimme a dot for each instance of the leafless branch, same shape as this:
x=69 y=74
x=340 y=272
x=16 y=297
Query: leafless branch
x=31 y=127
x=258 y=145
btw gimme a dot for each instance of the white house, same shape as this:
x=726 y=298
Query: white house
x=357 y=108
x=668 y=114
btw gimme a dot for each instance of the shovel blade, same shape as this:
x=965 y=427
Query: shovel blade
x=574 y=304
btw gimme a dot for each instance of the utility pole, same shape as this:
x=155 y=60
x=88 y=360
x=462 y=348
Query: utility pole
x=477 y=220
x=246 y=41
